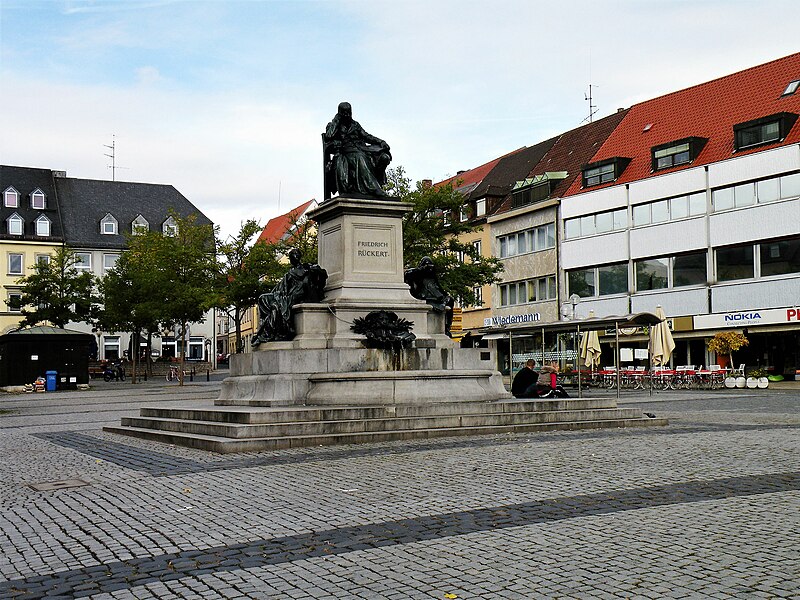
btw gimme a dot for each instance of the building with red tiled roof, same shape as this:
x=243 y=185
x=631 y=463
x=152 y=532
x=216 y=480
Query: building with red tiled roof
x=279 y=228
x=524 y=228
x=706 y=113
x=693 y=203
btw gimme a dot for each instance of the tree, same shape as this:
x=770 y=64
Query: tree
x=245 y=272
x=130 y=292
x=57 y=293
x=427 y=233
x=188 y=266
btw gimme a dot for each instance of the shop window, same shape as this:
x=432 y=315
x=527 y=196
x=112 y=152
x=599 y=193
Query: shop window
x=111 y=347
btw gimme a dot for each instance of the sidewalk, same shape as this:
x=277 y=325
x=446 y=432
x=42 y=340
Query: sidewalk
x=706 y=507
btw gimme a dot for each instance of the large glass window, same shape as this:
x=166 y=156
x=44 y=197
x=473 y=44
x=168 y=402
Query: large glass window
x=697 y=203
x=581 y=282
x=735 y=262
x=758 y=134
x=764 y=191
x=768 y=190
x=613 y=279
x=689 y=269
x=652 y=274
x=780 y=257
x=722 y=199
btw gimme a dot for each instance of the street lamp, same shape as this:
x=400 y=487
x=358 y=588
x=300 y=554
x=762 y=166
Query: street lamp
x=568 y=308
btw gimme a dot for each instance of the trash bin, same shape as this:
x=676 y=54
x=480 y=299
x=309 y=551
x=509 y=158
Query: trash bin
x=51 y=377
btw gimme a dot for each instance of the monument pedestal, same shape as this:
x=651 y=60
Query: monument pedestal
x=361 y=248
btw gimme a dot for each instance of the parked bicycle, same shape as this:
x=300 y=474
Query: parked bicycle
x=174 y=373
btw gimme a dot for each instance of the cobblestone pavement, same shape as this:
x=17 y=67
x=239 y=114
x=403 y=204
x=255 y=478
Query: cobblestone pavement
x=708 y=507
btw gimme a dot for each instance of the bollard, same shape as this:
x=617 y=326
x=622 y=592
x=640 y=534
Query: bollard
x=208 y=375
x=191 y=375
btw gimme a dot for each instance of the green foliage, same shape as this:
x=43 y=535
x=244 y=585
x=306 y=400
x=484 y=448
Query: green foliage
x=726 y=342
x=245 y=271
x=426 y=234
x=57 y=293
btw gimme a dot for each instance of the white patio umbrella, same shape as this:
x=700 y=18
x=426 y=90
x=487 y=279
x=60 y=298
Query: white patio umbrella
x=661 y=342
x=590 y=347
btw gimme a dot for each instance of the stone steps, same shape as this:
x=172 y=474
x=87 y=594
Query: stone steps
x=243 y=429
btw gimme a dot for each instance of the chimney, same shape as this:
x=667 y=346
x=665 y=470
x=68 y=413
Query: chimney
x=427 y=184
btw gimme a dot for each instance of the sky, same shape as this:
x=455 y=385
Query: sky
x=226 y=99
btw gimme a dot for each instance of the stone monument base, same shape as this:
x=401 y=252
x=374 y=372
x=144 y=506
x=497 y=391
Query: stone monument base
x=283 y=375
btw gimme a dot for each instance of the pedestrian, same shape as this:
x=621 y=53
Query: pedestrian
x=547 y=383
x=524 y=384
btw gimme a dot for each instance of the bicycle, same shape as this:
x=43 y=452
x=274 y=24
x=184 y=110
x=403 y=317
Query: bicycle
x=174 y=373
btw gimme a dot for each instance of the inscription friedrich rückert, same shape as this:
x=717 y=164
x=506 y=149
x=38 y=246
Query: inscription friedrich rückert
x=373 y=249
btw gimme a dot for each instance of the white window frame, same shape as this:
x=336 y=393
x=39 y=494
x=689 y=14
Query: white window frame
x=139 y=225
x=11 y=198
x=106 y=258
x=15 y=218
x=36 y=196
x=109 y=220
x=43 y=258
x=21 y=257
x=170 y=227
x=8 y=301
x=478 y=247
x=41 y=221
x=480 y=207
x=83 y=266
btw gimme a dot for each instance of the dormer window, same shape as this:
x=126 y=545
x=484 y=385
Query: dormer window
x=108 y=226
x=766 y=130
x=480 y=207
x=676 y=153
x=38 y=200
x=140 y=225
x=170 y=227
x=604 y=171
x=16 y=226
x=536 y=188
x=43 y=226
x=11 y=198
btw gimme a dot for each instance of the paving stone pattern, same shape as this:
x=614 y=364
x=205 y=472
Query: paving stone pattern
x=705 y=508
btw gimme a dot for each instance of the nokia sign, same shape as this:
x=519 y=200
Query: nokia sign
x=748 y=318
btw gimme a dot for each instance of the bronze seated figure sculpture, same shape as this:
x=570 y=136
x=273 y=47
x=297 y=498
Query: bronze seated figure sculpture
x=303 y=282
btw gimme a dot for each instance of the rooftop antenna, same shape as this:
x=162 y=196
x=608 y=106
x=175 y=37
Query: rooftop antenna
x=588 y=97
x=592 y=107
x=113 y=166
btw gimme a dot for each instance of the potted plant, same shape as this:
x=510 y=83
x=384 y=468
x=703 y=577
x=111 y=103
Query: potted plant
x=759 y=376
x=724 y=344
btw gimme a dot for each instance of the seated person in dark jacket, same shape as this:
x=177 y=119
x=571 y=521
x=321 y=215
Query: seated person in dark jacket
x=524 y=384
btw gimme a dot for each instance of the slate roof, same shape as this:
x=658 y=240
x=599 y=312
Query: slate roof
x=85 y=202
x=569 y=152
x=25 y=180
x=277 y=227
x=511 y=168
x=708 y=110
